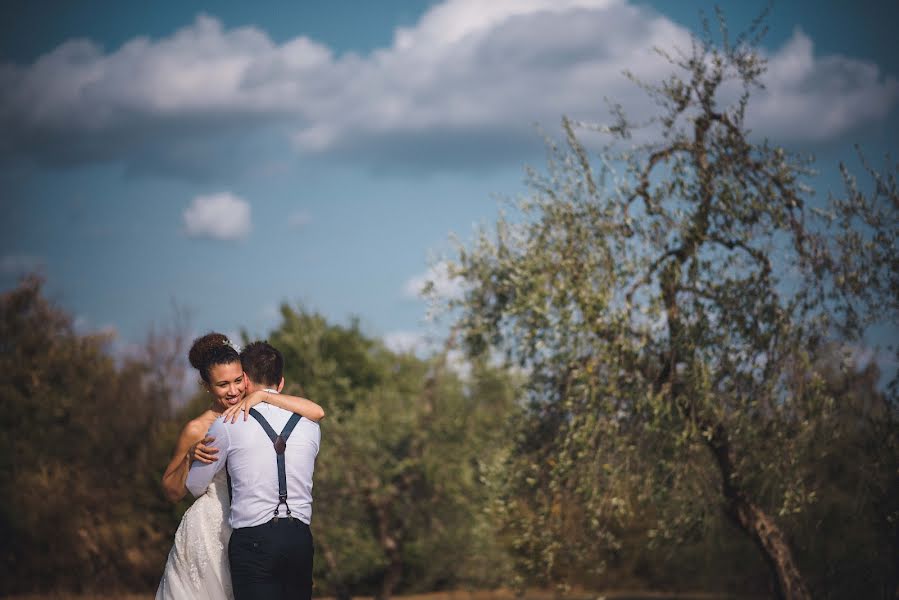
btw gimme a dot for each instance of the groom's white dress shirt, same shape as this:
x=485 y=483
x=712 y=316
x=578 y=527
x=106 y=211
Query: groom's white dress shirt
x=251 y=460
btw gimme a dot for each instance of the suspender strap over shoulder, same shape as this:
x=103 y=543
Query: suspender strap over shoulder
x=279 y=441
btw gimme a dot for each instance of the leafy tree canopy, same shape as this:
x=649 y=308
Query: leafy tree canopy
x=671 y=300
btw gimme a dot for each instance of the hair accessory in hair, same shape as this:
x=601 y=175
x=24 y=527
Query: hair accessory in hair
x=228 y=342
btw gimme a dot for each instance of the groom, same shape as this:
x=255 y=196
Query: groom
x=270 y=459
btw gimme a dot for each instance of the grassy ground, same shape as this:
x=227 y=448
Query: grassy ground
x=463 y=595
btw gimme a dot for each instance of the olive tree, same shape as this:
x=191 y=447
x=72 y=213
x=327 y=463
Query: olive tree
x=668 y=300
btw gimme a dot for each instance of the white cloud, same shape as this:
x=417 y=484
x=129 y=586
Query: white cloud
x=85 y=326
x=458 y=363
x=403 y=342
x=445 y=285
x=809 y=98
x=270 y=312
x=221 y=216
x=423 y=345
x=464 y=85
x=19 y=264
x=298 y=220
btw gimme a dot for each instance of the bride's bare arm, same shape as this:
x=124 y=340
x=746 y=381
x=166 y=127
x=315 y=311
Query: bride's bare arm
x=295 y=404
x=191 y=446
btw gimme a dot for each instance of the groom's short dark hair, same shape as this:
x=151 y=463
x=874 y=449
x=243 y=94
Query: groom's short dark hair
x=263 y=363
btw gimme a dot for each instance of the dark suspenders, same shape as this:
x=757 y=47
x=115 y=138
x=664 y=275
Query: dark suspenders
x=280 y=444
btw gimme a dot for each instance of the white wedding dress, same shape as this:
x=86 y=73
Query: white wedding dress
x=197 y=567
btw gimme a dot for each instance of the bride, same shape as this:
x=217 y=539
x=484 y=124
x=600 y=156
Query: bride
x=197 y=566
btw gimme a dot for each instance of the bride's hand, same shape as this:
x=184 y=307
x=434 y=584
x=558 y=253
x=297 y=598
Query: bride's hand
x=202 y=452
x=249 y=401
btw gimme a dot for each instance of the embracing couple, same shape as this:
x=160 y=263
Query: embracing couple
x=247 y=535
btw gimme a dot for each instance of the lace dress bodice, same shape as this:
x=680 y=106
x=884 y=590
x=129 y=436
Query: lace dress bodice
x=197 y=566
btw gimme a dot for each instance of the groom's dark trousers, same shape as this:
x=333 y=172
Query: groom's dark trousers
x=272 y=561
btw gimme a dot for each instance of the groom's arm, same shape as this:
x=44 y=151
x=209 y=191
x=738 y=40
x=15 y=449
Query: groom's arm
x=201 y=474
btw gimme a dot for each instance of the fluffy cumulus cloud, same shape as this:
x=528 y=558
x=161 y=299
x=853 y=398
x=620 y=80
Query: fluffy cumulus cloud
x=221 y=216
x=818 y=98
x=464 y=85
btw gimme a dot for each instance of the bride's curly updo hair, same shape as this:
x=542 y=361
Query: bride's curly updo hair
x=210 y=350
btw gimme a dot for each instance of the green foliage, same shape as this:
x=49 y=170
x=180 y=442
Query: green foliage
x=670 y=302
x=84 y=439
x=398 y=494
x=79 y=456
x=849 y=535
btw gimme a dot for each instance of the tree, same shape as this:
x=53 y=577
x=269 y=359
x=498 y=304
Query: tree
x=398 y=495
x=79 y=456
x=850 y=535
x=668 y=302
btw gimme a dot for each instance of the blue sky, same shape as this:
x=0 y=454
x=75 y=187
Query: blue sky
x=231 y=156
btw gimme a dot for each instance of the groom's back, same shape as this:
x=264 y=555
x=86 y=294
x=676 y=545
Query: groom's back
x=253 y=468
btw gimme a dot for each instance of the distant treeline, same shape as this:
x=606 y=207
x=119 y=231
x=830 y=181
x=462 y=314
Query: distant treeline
x=412 y=489
x=399 y=492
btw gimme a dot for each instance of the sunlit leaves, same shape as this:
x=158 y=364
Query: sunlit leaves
x=671 y=301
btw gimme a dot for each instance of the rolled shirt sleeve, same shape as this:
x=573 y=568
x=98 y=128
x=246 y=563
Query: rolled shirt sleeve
x=200 y=475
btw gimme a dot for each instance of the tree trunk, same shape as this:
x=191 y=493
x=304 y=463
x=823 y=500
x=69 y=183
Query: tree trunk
x=760 y=526
x=341 y=591
x=391 y=577
x=389 y=538
x=773 y=544
x=891 y=586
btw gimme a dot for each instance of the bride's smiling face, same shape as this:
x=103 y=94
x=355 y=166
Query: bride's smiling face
x=227 y=384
